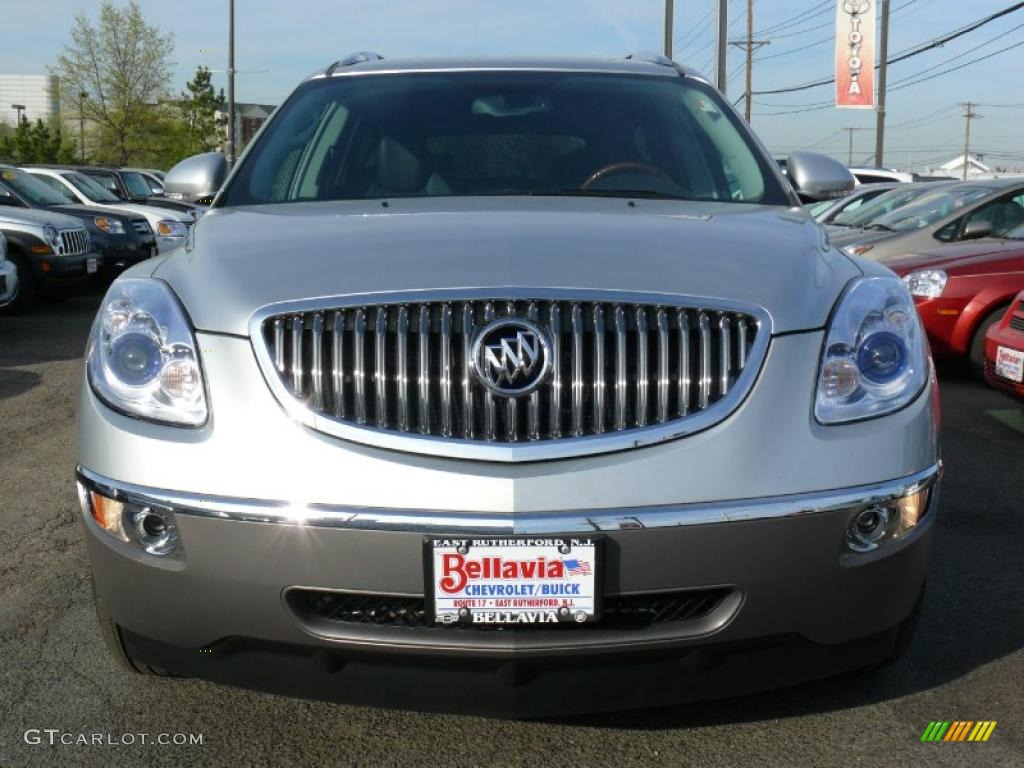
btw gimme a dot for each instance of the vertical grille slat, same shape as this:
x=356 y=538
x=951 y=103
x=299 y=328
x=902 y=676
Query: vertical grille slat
x=577 y=370
x=446 y=371
x=556 y=378
x=599 y=369
x=359 y=371
x=704 y=326
x=316 y=373
x=620 y=368
x=408 y=367
x=380 y=367
x=467 y=372
x=424 y=375
x=663 y=374
x=642 y=371
x=402 y=378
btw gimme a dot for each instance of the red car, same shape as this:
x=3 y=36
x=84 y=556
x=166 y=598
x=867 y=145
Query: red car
x=1004 y=351
x=963 y=289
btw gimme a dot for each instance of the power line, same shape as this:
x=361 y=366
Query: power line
x=816 y=10
x=909 y=53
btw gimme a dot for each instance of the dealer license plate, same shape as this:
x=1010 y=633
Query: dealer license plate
x=1010 y=364
x=90 y=266
x=513 y=581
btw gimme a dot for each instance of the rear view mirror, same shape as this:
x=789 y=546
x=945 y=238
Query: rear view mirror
x=817 y=177
x=977 y=229
x=199 y=176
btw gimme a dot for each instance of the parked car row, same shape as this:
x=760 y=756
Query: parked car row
x=63 y=225
x=959 y=247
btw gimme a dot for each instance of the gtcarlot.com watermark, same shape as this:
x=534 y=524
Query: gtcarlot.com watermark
x=55 y=737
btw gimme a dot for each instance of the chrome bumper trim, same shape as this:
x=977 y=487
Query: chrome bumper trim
x=527 y=523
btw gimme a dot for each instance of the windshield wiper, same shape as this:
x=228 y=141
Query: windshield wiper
x=647 y=194
x=880 y=227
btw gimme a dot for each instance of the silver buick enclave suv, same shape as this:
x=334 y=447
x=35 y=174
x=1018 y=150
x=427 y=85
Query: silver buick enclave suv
x=511 y=387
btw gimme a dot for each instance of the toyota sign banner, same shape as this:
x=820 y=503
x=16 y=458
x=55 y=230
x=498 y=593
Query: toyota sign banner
x=855 y=54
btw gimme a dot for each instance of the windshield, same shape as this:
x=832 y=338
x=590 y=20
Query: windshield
x=931 y=207
x=881 y=205
x=136 y=184
x=33 y=190
x=92 y=189
x=503 y=133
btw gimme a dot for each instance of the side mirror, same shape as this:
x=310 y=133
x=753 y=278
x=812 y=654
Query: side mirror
x=817 y=177
x=977 y=229
x=196 y=177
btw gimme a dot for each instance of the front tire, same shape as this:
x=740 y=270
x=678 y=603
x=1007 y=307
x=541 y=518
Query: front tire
x=111 y=634
x=26 y=295
x=976 y=354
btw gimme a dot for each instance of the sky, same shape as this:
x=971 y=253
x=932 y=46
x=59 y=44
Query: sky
x=278 y=42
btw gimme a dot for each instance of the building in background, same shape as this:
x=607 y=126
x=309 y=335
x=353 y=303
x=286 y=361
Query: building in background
x=39 y=94
x=975 y=167
x=248 y=119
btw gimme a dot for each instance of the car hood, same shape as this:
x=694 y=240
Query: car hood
x=147 y=211
x=87 y=210
x=38 y=218
x=963 y=258
x=241 y=259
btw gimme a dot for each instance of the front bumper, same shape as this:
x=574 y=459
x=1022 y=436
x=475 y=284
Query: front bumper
x=1002 y=336
x=749 y=506
x=120 y=252
x=8 y=282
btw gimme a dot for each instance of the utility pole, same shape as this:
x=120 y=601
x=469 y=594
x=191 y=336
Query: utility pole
x=722 y=43
x=882 y=71
x=82 y=96
x=231 y=83
x=669 y=24
x=749 y=46
x=851 y=131
x=969 y=115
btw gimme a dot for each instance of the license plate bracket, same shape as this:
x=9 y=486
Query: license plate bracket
x=513 y=580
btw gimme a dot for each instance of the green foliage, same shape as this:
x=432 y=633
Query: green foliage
x=199 y=105
x=36 y=143
x=117 y=72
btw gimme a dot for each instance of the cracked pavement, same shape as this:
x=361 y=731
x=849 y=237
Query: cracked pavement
x=966 y=661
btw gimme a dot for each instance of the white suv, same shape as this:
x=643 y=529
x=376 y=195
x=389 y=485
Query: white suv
x=169 y=226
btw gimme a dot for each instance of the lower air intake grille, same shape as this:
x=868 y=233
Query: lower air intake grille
x=626 y=611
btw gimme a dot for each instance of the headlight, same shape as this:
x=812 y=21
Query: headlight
x=52 y=237
x=169 y=228
x=110 y=226
x=858 y=250
x=142 y=356
x=875 y=359
x=926 y=283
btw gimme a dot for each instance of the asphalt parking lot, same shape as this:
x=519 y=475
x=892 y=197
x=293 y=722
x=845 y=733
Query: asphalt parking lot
x=966 y=662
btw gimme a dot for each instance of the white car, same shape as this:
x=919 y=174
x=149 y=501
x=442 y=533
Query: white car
x=8 y=275
x=170 y=227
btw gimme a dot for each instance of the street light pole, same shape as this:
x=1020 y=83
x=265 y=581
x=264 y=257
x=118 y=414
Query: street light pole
x=19 y=108
x=722 y=44
x=231 y=82
x=669 y=24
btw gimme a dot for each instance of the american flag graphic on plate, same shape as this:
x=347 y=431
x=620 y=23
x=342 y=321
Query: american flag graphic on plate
x=577 y=567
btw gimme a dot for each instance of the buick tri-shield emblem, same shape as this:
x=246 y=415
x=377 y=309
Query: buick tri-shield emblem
x=511 y=356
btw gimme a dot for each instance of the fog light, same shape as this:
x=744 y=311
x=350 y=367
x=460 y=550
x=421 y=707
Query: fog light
x=148 y=528
x=868 y=528
x=154 y=530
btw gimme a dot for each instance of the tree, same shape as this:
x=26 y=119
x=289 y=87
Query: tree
x=123 y=66
x=200 y=106
x=36 y=143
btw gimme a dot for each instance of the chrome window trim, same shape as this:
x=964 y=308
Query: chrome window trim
x=514 y=523
x=481 y=449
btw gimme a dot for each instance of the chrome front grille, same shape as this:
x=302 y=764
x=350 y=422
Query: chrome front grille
x=74 y=242
x=620 y=367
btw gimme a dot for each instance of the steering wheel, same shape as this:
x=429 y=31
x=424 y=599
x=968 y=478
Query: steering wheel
x=624 y=167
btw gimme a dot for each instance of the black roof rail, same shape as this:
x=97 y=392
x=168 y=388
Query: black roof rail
x=353 y=59
x=651 y=58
